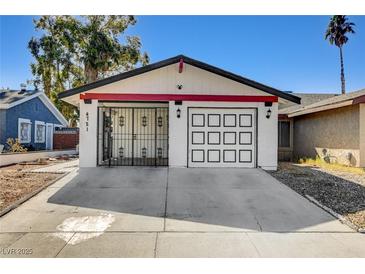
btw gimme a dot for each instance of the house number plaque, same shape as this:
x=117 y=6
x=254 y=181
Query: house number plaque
x=87 y=121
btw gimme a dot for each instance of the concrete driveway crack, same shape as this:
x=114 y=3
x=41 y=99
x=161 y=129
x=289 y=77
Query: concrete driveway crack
x=65 y=244
x=155 y=250
x=258 y=224
x=253 y=244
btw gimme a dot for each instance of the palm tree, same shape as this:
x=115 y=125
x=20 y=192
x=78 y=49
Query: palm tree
x=336 y=33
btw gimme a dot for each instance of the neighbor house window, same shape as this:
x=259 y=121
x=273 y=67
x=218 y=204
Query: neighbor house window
x=24 y=130
x=39 y=132
x=284 y=133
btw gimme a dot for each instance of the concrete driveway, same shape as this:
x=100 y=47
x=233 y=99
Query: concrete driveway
x=172 y=212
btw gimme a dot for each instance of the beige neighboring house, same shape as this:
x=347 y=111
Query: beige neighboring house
x=327 y=125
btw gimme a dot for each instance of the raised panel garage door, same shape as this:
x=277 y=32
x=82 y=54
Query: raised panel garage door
x=222 y=137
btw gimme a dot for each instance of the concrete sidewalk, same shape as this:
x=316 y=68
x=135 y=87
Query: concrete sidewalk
x=184 y=245
x=161 y=212
x=60 y=167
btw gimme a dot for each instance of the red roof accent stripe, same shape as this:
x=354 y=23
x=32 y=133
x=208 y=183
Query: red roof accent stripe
x=181 y=65
x=359 y=100
x=176 y=97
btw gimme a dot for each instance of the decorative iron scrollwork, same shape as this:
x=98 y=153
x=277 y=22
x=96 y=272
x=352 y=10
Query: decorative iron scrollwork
x=144 y=152
x=159 y=153
x=159 y=121
x=144 y=121
x=121 y=121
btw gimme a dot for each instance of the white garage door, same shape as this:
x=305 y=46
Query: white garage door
x=222 y=137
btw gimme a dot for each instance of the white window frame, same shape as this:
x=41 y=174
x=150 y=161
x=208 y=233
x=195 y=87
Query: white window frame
x=27 y=121
x=51 y=139
x=36 y=123
x=290 y=134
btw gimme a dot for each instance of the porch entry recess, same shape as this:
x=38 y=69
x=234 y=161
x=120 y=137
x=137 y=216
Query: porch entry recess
x=133 y=136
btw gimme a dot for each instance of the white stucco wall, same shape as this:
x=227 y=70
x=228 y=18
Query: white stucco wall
x=194 y=81
x=178 y=144
x=362 y=135
x=266 y=130
x=165 y=80
x=88 y=134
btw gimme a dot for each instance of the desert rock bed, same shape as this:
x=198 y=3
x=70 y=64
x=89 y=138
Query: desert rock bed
x=343 y=192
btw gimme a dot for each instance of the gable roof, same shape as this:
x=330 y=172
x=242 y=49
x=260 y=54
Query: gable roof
x=186 y=60
x=306 y=99
x=12 y=98
x=331 y=103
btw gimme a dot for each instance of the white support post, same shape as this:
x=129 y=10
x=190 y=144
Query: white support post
x=88 y=133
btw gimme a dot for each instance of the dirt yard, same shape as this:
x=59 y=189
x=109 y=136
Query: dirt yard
x=17 y=181
x=340 y=190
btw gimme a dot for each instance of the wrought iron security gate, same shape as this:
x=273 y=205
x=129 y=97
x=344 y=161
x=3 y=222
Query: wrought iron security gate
x=133 y=136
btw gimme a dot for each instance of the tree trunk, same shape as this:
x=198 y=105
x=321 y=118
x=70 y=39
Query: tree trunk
x=91 y=74
x=343 y=89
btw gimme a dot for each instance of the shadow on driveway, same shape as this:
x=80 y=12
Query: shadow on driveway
x=197 y=198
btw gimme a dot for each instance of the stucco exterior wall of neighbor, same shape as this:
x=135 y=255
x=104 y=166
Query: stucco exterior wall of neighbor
x=33 y=110
x=331 y=134
x=362 y=134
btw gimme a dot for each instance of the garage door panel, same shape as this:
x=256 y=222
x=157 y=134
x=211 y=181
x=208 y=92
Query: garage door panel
x=229 y=156
x=229 y=138
x=214 y=120
x=229 y=120
x=245 y=138
x=245 y=120
x=198 y=137
x=197 y=156
x=214 y=137
x=198 y=120
x=245 y=156
x=222 y=137
x=214 y=155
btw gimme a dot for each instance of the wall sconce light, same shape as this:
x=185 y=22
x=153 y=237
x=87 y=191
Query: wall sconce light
x=178 y=113
x=268 y=113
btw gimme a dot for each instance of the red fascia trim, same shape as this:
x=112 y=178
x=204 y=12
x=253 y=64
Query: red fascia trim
x=283 y=117
x=359 y=100
x=175 y=97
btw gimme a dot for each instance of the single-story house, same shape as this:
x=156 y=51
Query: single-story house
x=178 y=112
x=29 y=116
x=330 y=126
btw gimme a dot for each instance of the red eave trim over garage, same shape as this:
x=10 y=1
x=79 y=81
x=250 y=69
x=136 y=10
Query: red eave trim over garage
x=175 y=97
x=359 y=100
x=283 y=116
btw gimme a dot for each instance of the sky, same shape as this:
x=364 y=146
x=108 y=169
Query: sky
x=286 y=52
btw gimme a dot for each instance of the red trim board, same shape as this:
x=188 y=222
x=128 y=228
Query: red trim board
x=359 y=100
x=176 y=97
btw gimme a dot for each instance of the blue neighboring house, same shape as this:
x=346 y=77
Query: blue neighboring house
x=30 y=116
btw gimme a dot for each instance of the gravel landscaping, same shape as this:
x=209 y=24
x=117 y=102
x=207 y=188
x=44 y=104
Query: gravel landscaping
x=17 y=181
x=341 y=191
